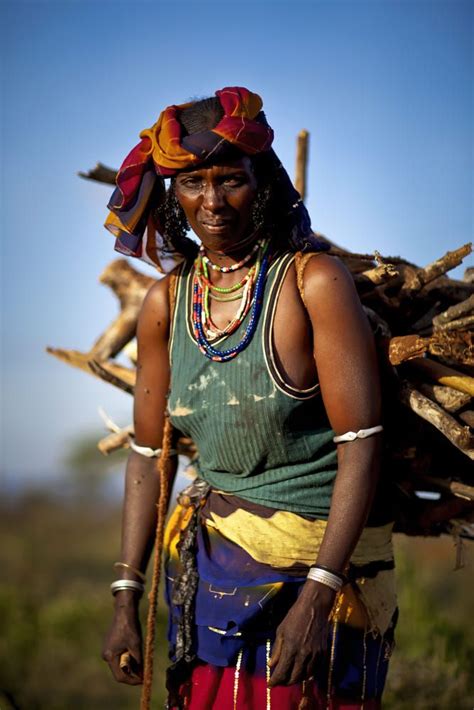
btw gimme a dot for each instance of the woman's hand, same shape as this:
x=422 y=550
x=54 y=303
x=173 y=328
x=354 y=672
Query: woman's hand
x=302 y=635
x=125 y=637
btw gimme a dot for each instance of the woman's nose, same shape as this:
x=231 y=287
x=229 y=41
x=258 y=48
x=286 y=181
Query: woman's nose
x=213 y=198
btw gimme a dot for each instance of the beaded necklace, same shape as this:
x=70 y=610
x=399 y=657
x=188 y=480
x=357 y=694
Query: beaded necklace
x=252 y=298
x=233 y=267
x=203 y=276
x=212 y=330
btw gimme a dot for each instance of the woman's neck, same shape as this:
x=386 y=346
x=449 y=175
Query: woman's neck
x=229 y=254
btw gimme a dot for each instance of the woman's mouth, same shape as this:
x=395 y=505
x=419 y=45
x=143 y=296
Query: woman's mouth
x=217 y=227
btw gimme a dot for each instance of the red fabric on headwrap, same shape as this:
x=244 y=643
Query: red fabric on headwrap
x=237 y=126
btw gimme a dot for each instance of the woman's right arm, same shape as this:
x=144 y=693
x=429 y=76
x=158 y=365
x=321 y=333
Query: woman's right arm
x=141 y=479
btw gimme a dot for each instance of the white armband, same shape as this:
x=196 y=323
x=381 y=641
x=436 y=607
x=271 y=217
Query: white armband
x=148 y=451
x=361 y=434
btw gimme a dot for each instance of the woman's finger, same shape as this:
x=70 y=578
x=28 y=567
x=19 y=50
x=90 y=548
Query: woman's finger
x=299 y=671
x=276 y=651
x=282 y=670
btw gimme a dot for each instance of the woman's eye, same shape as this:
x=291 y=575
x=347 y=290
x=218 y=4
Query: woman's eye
x=234 y=182
x=191 y=183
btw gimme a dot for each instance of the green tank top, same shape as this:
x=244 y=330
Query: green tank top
x=257 y=436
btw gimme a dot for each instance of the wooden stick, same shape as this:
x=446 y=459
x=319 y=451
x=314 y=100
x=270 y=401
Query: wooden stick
x=450 y=399
x=457 y=311
x=435 y=415
x=421 y=277
x=301 y=162
x=129 y=285
x=115 y=441
x=444 y=375
x=72 y=357
x=381 y=273
x=454 y=347
x=459 y=324
x=117 y=375
x=406 y=347
x=101 y=173
x=468 y=417
x=117 y=335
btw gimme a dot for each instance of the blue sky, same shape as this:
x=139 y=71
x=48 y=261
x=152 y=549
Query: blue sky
x=384 y=87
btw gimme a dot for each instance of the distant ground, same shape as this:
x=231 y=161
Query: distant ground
x=56 y=564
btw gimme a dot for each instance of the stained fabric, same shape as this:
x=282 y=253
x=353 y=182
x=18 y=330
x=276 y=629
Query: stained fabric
x=290 y=460
x=237 y=607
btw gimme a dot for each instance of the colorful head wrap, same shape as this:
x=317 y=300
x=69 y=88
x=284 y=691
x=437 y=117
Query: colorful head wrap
x=164 y=151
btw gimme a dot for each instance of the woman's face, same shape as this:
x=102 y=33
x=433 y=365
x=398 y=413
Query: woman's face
x=218 y=201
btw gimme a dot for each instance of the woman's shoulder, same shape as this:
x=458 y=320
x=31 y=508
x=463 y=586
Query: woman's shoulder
x=160 y=295
x=320 y=274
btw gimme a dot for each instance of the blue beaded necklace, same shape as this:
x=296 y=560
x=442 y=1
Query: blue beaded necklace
x=203 y=344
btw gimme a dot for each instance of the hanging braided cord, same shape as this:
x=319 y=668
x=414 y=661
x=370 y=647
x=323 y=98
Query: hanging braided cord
x=162 y=507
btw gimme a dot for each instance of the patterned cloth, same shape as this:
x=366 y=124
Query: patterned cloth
x=165 y=149
x=240 y=599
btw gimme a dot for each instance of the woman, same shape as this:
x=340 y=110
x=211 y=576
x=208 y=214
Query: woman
x=279 y=582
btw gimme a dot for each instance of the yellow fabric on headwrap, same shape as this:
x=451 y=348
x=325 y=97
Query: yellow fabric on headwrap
x=165 y=141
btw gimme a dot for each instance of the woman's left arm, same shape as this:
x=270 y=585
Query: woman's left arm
x=346 y=361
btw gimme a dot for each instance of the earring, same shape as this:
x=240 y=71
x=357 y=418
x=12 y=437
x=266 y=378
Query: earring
x=260 y=207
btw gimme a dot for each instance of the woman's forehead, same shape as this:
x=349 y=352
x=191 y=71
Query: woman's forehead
x=241 y=164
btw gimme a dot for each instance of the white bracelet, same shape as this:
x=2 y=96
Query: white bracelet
x=148 y=451
x=122 y=584
x=361 y=434
x=321 y=575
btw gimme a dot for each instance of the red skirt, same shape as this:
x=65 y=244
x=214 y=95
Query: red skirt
x=215 y=688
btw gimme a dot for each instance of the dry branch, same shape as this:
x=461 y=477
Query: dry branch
x=115 y=441
x=301 y=162
x=456 y=347
x=406 y=347
x=129 y=285
x=444 y=375
x=468 y=417
x=116 y=336
x=431 y=412
x=417 y=280
x=72 y=357
x=459 y=324
x=101 y=173
x=379 y=274
x=116 y=375
x=454 y=312
x=450 y=399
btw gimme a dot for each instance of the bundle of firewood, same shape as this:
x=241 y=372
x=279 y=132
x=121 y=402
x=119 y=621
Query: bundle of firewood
x=422 y=321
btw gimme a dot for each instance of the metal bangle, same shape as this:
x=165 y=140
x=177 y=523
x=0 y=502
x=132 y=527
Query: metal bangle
x=126 y=584
x=330 y=580
x=332 y=571
x=361 y=434
x=133 y=569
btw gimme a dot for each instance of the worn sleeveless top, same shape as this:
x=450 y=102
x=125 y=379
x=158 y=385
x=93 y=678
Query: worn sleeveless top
x=258 y=437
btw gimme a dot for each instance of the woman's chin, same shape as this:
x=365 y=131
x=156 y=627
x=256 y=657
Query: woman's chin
x=224 y=237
